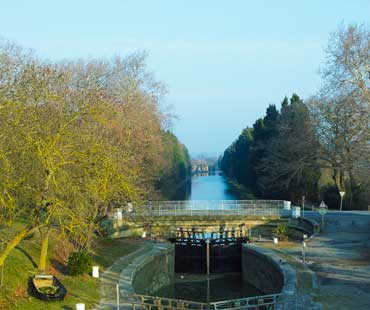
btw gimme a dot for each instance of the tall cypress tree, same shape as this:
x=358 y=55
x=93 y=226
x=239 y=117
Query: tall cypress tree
x=264 y=131
x=289 y=169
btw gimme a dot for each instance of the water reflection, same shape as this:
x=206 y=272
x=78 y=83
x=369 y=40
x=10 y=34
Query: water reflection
x=197 y=288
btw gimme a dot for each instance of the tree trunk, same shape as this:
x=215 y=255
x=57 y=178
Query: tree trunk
x=13 y=243
x=338 y=178
x=44 y=251
x=351 y=189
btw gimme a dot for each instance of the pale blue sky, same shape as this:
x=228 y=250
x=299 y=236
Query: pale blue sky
x=223 y=61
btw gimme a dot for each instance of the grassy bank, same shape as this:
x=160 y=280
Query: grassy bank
x=240 y=191
x=22 y=264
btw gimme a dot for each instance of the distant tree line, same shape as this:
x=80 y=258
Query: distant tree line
x=175 y=177
x=77 y=139
x=317 y=147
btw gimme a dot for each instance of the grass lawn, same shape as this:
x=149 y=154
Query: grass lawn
x=22 y=263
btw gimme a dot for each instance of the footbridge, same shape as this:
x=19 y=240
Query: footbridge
x=211 y=208
x=164 y=218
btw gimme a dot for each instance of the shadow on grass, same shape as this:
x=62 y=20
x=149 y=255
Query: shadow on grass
x=27 y=255
x=60 y=267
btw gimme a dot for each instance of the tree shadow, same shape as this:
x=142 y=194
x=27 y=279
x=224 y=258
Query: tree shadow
x=27 y=255
x=60 y=267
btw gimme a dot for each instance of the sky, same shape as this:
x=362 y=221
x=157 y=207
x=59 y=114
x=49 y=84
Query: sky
x=223 y=62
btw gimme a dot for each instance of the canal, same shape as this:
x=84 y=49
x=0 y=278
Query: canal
x=217 y=287
x=210 y=187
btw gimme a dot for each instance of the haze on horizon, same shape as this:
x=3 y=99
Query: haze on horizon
x=223 y=64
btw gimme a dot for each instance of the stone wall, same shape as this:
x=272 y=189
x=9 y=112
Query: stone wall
x=350 y=222
x=266 y=271
x=154 y=271
x=310 y=225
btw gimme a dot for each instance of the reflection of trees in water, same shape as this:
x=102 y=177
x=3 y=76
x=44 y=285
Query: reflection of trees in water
x=184 y=190
x=224 y=286
x=202 y=174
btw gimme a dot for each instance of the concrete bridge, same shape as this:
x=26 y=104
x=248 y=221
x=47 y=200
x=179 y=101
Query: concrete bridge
x=253 y=217
x=213 y=208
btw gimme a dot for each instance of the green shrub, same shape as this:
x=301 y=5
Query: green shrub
x=282 y=231
x=79 y=263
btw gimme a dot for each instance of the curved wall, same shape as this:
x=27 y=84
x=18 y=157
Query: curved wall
x=266 y=271
x=260 y=267
x=154 y=271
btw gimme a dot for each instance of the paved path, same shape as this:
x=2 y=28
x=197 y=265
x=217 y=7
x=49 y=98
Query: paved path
x=341 y=261
x=112 y=276
x=337 y=274
x=340 y=257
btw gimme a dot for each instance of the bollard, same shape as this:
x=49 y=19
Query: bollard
x=117 y=292
x=95 y=271
x=118 y=214
x=80 y=306
x=304 y=252
x=143 y=235
x=276 y=240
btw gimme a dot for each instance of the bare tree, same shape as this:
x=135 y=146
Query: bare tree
x=347 y=68
x=341 y=111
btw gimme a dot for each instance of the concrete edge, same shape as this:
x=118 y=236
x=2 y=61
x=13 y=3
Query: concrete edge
x=315 y=226
x=128 y=274
x=288 y=273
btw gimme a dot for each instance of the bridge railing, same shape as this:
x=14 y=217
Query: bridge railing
x=140 y=302
x=273 y=301
x=216 y=207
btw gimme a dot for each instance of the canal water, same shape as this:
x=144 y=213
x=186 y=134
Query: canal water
x=210 y=187
x=198 y=288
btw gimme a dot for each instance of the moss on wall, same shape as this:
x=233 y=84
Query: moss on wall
x=154 y=272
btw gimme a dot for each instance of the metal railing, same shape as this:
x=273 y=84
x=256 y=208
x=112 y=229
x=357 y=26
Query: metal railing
x=265 y=302
x=214 y=207
x=160 y=303
x=270 y=302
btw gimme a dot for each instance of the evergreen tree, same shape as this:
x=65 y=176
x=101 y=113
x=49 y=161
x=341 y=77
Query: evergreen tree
x=289 y=168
